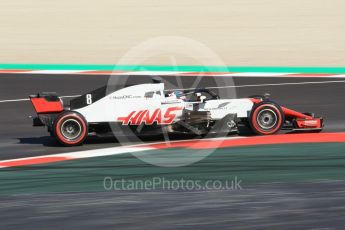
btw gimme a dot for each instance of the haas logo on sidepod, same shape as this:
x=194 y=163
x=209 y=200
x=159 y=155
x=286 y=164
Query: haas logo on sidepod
x=138 y=117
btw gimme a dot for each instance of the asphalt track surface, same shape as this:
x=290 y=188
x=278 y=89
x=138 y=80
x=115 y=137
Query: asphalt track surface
x=19 y=139
x=259 y=207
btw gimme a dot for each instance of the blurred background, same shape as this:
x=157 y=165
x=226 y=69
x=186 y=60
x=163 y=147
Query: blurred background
x=241 y=32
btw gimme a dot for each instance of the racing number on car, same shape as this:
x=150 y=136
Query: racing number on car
x=138 y=117
x=89 y=99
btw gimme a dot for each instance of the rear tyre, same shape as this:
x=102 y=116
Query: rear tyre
x=70 y=128
x=266 y=118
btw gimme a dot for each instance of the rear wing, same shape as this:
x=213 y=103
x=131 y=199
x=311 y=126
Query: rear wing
x=46 y=103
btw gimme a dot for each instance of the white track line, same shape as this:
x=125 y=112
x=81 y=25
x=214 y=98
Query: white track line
x=254 y=74
x=56 y=71
x=281 y=84
x=157 y=73
x=273 y=84
x=339 y=76
x=129 y=148
x=219 y=87
x=28 y=99
x=15 y=100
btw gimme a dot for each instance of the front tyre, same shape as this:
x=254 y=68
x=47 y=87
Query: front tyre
x=266 y=118
x=70 y=128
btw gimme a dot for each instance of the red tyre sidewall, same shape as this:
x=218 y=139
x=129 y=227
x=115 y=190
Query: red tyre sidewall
x=61 y=119
x=256 y=126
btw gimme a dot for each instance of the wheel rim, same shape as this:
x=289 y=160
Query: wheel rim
x=71 y=129
x=267 y=119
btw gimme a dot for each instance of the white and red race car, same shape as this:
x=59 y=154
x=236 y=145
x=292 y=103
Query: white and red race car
x=150 y=109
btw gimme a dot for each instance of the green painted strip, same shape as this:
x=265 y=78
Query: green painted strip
x=311 y=70
x=255 y=164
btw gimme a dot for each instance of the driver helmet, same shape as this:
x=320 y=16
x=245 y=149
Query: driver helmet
x=198 y=96
x=178 y=93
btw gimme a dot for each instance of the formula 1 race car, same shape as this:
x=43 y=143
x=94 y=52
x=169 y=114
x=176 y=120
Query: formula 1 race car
x=150 y=109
